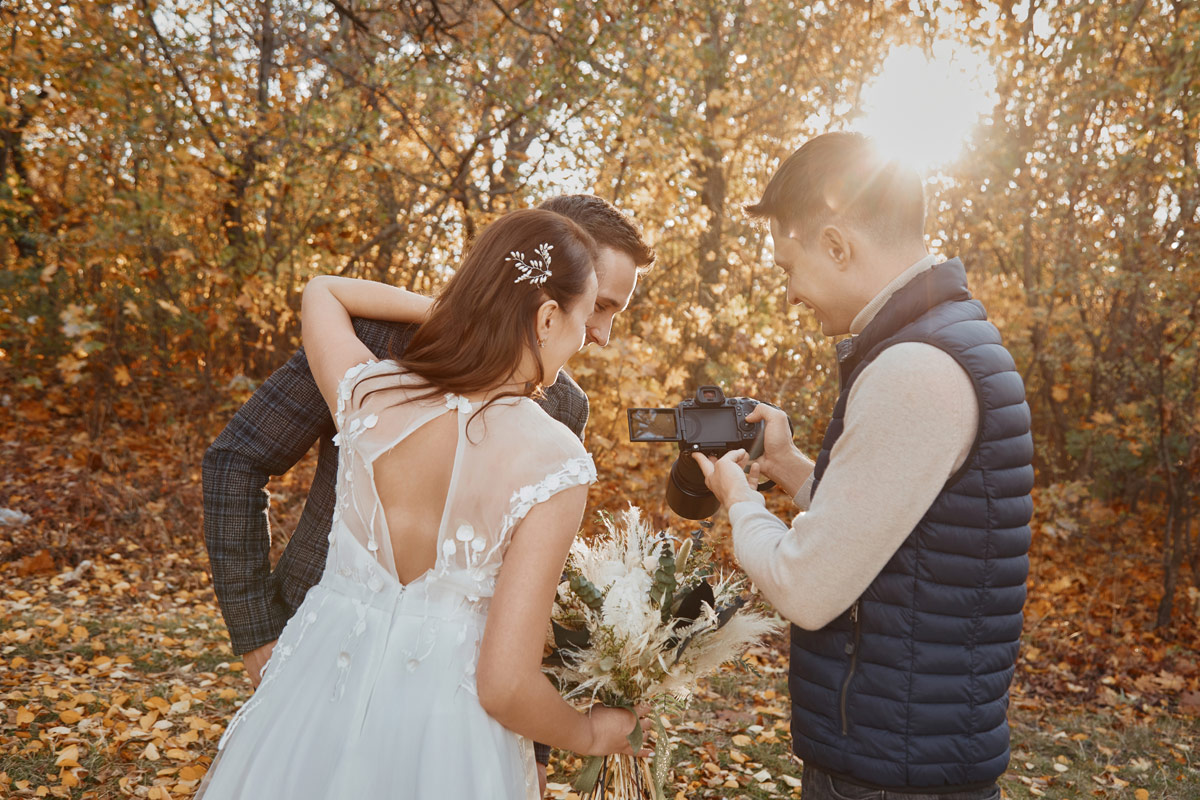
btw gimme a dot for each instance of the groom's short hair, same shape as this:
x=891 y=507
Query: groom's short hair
x=606 y=224
x=842 y=177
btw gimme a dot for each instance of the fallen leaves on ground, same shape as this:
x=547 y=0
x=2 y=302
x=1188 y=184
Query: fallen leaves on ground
x=116 y=677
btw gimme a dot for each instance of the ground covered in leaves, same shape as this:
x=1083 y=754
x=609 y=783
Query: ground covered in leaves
x=116 y=677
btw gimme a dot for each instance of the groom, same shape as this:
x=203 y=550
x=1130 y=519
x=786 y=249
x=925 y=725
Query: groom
x=904 y=572
x=287 y=414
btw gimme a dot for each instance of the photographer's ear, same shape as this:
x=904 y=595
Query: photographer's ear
x=835 y=244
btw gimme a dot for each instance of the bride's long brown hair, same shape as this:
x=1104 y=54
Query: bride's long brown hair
x=484 y=322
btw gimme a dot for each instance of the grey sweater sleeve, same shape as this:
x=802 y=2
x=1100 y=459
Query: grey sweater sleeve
x=911 y=421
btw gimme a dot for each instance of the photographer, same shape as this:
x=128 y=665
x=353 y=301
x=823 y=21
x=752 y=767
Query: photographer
x=904 y=572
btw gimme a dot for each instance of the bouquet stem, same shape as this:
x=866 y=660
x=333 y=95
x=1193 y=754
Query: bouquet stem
x=623 y=777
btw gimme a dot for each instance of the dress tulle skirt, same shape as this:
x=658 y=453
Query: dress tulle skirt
x=371 y=694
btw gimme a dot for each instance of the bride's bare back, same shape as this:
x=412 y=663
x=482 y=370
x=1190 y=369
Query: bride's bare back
x=412 y=480
x=431 y=487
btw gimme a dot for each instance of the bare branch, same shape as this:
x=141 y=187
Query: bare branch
x=148 y=14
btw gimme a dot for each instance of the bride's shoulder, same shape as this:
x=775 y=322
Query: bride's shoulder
x=371 y=369
x=376 y=375
x=547 y=456
x=375 y=383
x=548 y=432
x=555 y=433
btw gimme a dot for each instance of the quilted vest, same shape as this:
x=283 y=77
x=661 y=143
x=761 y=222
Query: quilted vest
x=909 y=688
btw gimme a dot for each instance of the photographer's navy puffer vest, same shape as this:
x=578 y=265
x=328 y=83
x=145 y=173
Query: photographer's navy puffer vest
x=909 y=689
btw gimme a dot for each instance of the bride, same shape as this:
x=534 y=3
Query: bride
x=413 y=669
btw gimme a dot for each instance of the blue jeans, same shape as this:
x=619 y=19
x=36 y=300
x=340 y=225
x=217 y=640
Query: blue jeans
x=820 y=785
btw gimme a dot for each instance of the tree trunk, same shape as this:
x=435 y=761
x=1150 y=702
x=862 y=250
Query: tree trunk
x=1172 y=560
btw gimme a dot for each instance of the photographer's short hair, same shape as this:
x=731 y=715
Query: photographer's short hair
x=606 y=224
x=841 y=176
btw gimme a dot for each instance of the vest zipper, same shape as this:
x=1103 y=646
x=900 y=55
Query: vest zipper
x=852 y=651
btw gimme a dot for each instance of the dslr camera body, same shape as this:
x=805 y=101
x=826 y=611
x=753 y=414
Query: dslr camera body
x=708 y=423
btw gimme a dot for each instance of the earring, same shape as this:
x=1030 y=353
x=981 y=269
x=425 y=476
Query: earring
x=541 y=343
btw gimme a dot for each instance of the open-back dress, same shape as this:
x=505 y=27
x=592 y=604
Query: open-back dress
x=370 y=690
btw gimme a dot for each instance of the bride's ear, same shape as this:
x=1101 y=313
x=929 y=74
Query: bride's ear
x=546 y=317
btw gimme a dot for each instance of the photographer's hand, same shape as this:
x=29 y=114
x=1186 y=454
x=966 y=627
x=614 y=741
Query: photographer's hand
x=781 y=461
x=727 y=478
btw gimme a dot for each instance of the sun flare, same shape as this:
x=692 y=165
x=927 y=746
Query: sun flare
x=921 y=111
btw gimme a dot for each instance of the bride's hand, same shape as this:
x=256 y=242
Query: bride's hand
x=610 y=729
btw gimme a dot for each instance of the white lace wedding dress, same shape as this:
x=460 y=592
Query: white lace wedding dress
x=370 y=691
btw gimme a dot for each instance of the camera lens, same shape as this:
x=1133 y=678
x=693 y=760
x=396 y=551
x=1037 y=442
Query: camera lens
x=686 y=493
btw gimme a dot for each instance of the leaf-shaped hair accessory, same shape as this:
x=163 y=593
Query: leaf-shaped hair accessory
x=535 y=270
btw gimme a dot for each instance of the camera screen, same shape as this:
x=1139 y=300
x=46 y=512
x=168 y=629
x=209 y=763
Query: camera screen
x=710 y=425
x=653 y=425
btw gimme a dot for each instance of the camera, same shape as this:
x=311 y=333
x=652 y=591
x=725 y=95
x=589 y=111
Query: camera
x=708 y=423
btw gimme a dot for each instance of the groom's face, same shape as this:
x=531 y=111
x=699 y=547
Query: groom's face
x=617 y=276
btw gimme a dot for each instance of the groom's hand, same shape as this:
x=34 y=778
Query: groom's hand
x=256 y=661
x=781 y=460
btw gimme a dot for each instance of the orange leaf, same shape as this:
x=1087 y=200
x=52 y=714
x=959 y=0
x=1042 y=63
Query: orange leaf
x=1060 y=585
x=69 y=757
x=191 y=773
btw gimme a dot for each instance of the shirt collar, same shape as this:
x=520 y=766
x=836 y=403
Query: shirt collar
x=880 y=300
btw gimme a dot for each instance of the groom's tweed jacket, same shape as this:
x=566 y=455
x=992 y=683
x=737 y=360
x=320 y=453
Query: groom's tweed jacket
x=268 y=436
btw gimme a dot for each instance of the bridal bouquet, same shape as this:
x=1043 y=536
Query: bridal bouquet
x=638 y=621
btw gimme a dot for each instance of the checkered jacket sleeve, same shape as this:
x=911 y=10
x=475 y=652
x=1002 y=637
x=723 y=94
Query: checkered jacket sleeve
x=567 y=403
x=266 y=437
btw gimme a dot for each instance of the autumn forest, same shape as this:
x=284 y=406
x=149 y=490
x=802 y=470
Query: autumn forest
x=172 y=172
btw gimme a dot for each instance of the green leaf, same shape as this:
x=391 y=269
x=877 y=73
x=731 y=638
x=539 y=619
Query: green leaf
x=587 y=592
x=586 y=781
x=635 y=737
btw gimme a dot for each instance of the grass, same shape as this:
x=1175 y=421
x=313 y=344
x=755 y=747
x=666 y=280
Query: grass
x=1088 y=754
x=730 y=736
x=732 y=742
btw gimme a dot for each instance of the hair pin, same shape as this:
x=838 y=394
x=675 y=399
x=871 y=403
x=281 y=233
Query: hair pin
x=535 y=270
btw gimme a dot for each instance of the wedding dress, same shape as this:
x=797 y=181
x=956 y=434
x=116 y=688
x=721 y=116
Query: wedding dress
x=370 y=691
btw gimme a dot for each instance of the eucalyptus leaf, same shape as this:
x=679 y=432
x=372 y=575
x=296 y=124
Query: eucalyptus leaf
x=635 y=736
x=586 y=780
